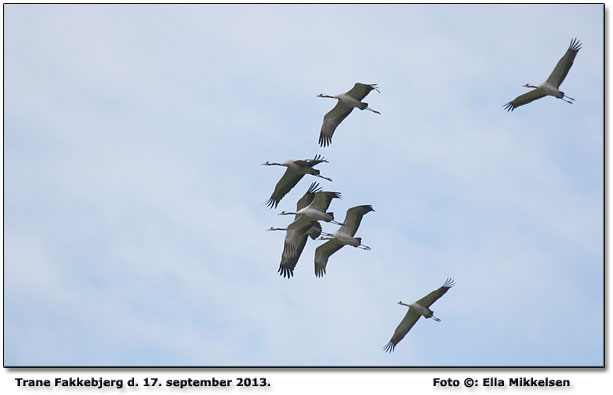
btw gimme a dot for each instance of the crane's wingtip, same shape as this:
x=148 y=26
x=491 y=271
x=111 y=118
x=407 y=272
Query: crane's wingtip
x=285 y=272
x=271 y=203
x=315 y=187
x=449 y=283
x=389 y=347
x=575 y=45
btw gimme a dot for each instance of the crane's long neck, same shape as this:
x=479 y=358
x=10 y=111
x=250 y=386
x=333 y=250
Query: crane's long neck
x=530 y=86
x=273 y=228
x=288 y=213
x=328 y=96
x=404 y=304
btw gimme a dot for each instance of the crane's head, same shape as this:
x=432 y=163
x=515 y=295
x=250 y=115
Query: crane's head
x=285 y=213
x=528 y=85
x=267 y=163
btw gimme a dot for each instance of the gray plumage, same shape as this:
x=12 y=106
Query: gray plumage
x=346 y=103
x=552 y=84
x=416 y=310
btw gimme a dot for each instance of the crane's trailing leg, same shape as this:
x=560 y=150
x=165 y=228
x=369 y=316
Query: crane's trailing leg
x=370 y=109
x=436 y=319
x=362 y=246
x=325 y=178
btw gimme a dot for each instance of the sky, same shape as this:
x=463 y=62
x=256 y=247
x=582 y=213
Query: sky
x=134 y=224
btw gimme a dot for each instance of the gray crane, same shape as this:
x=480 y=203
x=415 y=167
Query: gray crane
x=297 y=234
x=296 y=169
x=342 y=237
x=552 y=84
x=416 y=310
x=346 y=103
x=316 y=210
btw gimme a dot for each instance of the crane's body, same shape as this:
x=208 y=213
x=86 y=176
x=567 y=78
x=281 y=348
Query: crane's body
x=342 y=237
x=416 y=310
x=550 y=87
x=346 y=103
x=316 y=210
x=296 y=169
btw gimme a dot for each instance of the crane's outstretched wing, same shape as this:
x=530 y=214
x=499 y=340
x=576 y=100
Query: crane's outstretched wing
x=564 y=64
x=288 y=263
x=311 y=162
x=353 y=218
x=286 y=183
x=286 y=268
x=359 y=90
x=296 y=232
x=331 y=120
x=322 y=253
x=402 y=329
x=524 y=99
x=322 y=200
x=433 y=296
x=307 y=198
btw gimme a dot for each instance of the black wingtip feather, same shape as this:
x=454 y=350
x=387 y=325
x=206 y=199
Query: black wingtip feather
x=285 y=272
x=319 y=158
x=575 y=45
x=314 y=188
x=389 y=347
x=271 y=203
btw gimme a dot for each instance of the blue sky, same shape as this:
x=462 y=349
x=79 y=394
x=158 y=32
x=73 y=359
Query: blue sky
x=134 y=225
